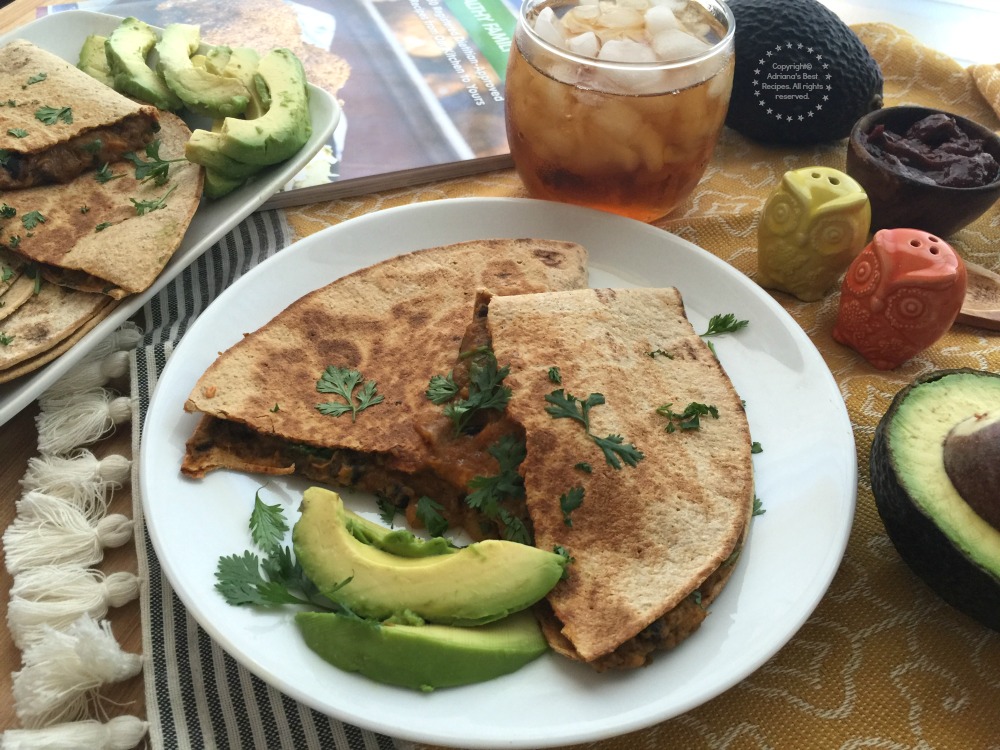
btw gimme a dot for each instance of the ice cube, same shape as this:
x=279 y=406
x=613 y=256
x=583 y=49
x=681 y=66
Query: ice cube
x=660 y=18
x=585 y=44
x=626 y=50
x=674 y=44
x=548 y=27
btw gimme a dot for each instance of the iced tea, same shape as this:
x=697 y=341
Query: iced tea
x=617 y=104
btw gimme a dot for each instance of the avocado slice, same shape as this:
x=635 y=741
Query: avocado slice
x=94 y=60
x=126 y=49
x=423 y=657
x=202 y=91
x=285 y=127
x=242 y=65
x=936 y=530
x=203 y=147
x=474 y=585
x=217 y=184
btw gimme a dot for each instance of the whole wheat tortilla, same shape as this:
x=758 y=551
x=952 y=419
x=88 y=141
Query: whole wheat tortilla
x=47 y=319
x=645 y=537
x=31 y=78
x=397 y=322
x=19 y=291
x=130 y=249
x=34 y=363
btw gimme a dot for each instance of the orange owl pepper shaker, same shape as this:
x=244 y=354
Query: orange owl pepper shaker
x=900 y=295
x=811 y=228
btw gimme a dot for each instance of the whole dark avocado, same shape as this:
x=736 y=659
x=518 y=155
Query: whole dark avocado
x=931 y=463
x=802 y=76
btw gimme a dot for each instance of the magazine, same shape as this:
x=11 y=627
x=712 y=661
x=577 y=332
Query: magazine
x=421 y=82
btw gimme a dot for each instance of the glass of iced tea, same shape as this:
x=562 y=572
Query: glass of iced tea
x=618 y=104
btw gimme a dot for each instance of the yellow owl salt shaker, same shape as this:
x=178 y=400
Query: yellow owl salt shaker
x=812 y=226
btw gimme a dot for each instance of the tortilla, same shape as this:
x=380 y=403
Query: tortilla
x=91 y=235
x=645 y=537
x=398 y=323
x=88 y=124
x=50 y=317
x=19 y=290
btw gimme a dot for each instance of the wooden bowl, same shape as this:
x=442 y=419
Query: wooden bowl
x=898 y=200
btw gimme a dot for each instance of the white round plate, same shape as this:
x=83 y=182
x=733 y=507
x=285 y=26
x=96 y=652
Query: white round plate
x=806 y=478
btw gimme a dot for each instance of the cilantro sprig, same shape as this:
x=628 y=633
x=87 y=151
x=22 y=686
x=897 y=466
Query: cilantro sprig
x=724 y=323
x=156 y=169
x=489 y=493
x=563 y=405
x=342 y=381
x=154 y=204
x=52 y=115
x=570 y=501
x=272 y=580
x=486 y=390
x=690 y=418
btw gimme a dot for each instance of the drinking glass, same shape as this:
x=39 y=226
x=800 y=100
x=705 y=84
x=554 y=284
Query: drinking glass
x=618 y=104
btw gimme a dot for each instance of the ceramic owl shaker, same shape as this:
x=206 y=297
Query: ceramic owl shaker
x=812 y=226
x=899 y=296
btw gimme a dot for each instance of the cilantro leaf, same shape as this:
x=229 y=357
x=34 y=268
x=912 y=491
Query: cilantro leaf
x=145 y=207
x=724 y=323
x=7 y=212
x=104 y=174
x=386 y=510
x=488 y=492
x=554 y=375
x=486 y=391
x=239 y=580
x=17 y=132
x=102 y=226
x=616 y=451
x=6 y=340
x=267 y=524
x=342 y=382
x=758 y=506
x=569 y=502
x=690 y=418
x=756 y=447
x=567 y=406
x=32 y=219
x=156 y=169
x=429 y=513
x=53 y=115
x=514 y=529
x=441 y=388
x=37 y=78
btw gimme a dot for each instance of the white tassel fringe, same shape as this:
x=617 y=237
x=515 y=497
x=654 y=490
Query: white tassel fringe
x=91 y=373
x=120 y=733
x=56 y=595
x=80 y=478
x=69 y=421
x=50 y=531
x=63 y=669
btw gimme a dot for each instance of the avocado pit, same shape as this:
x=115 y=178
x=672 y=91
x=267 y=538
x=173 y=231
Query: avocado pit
x=972 y=462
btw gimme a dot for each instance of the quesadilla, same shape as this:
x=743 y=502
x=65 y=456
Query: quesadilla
x=651 y=543
x=397 y=324
x=107 y=230
x=46 y=325
x=58 y=122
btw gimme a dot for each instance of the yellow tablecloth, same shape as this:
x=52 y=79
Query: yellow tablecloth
x=882 y=662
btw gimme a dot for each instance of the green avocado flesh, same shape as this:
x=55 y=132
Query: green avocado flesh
x=285 y=127
x=937 y=533
x=423 y=657
x=94 y=60
x=126 y=50
x=469 y=586
x=202 y=90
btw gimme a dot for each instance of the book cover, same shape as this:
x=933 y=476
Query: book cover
x=421 y=82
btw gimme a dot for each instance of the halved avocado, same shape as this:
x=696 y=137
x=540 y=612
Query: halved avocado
x=938 y=532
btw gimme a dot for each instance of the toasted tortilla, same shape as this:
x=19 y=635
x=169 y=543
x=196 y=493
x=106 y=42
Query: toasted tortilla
x=45 y=321
x=93 y=237
x=18 y=291
x=645 y=537
x=98 y=124
x=398 y=323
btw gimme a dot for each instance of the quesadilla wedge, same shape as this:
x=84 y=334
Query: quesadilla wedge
x=58 y=122
x=106 y=231
x=653 y=540
x=396 y=324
